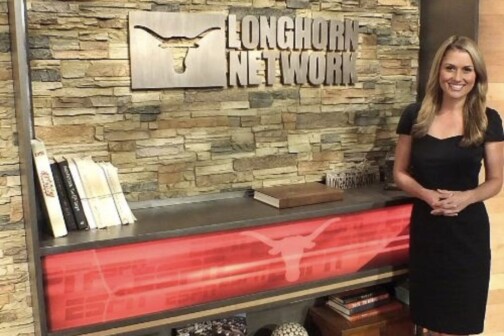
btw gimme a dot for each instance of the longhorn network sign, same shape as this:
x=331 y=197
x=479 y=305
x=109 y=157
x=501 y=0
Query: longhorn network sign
x=191 y=50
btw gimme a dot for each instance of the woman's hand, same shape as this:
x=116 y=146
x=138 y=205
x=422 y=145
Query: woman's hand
x=450 y=202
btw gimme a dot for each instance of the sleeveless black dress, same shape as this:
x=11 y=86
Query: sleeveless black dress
x=449 y=256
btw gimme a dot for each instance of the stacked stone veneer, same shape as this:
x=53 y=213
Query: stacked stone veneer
x=174 y=142
x=179 y=142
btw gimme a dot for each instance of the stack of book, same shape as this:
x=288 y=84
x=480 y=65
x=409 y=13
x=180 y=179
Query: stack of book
x=363 y=303
x=78 y=193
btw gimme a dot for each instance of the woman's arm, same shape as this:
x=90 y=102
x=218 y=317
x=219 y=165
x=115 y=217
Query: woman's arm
x=459 y=200
x=402 y=177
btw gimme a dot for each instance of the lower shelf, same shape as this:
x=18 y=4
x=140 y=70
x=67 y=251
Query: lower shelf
x=331 y=323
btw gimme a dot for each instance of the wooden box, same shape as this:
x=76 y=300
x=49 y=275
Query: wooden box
x=330 y=323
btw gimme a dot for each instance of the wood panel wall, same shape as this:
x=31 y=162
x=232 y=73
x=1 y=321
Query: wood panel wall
x=491 y=42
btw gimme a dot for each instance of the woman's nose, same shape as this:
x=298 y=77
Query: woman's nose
x=458 y=75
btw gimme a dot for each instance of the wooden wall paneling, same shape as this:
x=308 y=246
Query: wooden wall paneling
x=491 y=42
x=496 y=94
x=438 y=21
x=489 y=7
x=494 y=325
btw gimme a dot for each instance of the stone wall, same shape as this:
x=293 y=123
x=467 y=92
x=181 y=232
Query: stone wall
x=15 y=304
x=179 y=142
x=170 y=143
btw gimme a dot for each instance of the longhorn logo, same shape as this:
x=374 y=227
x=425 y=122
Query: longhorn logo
x=177 y=50
x=291 y=248
x=180 y=45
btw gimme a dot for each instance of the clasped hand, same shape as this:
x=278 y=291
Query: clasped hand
x=448 y=203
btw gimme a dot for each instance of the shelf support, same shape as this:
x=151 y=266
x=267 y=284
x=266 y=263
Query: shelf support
x=25 y=132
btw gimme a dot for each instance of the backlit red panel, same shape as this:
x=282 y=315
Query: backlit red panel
x=107 y=284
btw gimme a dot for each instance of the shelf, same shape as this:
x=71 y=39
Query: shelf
x=215 y=215
x=258 y=301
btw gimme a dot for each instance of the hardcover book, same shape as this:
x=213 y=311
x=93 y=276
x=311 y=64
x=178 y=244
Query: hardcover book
x=73 y=195
x=293 y=195
x=49 y=193
x=358 y=294
x=358 y=306
x=350 y=305
x=98 y=193
x=76 y=176
x=122 y=207
x=63 y=197
x=391 y=306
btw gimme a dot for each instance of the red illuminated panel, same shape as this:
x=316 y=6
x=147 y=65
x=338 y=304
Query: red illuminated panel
x=107 y=284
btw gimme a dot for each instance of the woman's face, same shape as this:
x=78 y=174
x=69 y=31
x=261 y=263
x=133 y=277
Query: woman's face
x=456 y=75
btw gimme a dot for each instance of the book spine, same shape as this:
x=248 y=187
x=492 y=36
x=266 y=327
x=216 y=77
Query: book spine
x=102 y=193
x=82 y=194
x=63 y=197
x=99 y=193
x=367 y=301
x=367 y=306
x=88 y=176
x=73 y=195
x=49 y=192
x=121 y=204
x=345 y=299
x=386 y=308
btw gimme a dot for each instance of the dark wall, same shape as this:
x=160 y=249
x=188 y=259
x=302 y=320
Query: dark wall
x=439 y=19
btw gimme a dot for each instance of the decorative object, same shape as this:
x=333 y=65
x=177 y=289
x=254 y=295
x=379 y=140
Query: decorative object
x=360 y=175
x=389 y=172
x=235 y=325
x=292 y=195
x=290 y=329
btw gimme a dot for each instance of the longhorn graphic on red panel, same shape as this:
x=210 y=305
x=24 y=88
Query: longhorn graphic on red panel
x=291 y=248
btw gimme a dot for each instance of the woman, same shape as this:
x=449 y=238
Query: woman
x=438 y=158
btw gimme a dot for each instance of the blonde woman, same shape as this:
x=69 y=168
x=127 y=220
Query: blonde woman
x=442 y=143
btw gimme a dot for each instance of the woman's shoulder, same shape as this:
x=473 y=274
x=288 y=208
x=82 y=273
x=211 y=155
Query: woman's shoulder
x=494 y=130
x=411 y=111
x=492 y=114
x=407 y=119
x=413 y=108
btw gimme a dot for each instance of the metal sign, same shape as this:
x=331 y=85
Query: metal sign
x=188 y=50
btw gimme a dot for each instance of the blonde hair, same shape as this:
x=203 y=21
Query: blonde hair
x=475 y=119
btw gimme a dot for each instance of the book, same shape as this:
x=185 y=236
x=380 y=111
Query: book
x=76 y=177
x=73 y=195
x=125 y=214
x=359 y=306
x=358 y=294
x=364 y=302
x=98 y=193
x=293 y=195
x=391 y=306
x=66 y=207
x=52 y=207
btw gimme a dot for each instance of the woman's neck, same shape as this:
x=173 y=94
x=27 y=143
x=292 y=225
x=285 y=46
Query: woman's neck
x=452 y=105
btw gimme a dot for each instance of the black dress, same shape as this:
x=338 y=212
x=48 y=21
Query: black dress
x=449 y=256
